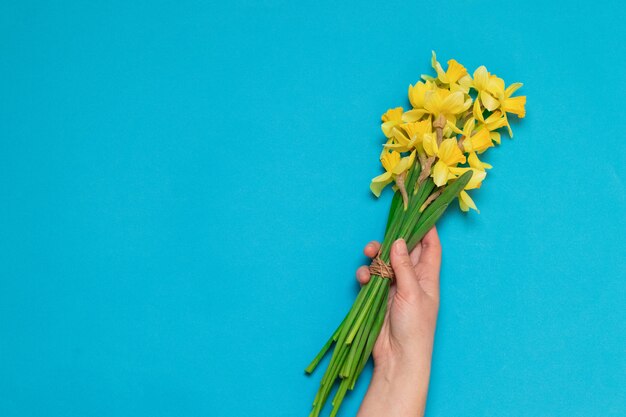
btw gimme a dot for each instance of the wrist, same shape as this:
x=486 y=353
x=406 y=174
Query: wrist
x=404 y=375
x=406 y=361
x=398 y=388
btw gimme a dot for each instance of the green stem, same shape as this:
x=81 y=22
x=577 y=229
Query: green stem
x=324 y=349
x=357 y=323
x=371 y=340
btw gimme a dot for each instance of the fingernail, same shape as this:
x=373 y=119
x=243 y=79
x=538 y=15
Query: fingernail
x=399 y=247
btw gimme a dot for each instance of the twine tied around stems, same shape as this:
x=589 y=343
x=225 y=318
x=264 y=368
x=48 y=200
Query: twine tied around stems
x=381 y=268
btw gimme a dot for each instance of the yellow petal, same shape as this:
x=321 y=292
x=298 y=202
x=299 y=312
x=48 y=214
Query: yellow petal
x=392 y=115
x=508 y=126
x=496 y=86
x=465 y=83
x=437 y=67
x=476 y=180
x=488 y=101
x=480 y=142
x=449 y=152
x=433 y=101
x=455 y=71
x=454 y=103
x=478 y=111
x=512 y=88
x=430 y=144
x=440 y=173
x=399 y=136
x=515 y=105
x=387 y=127
x=416 y=94
x=413 y=115
x=454 y=128
x=481 y=78
x=380 y=182
x=495 y=121
x=467 y=104
x=468 y=127
x=476 y=163
x=389 y=159
x=417 y=129
x=466 y=202
x=394 y=146
x=404 y=164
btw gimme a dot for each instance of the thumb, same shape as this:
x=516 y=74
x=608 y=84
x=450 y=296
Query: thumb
x=406 y=281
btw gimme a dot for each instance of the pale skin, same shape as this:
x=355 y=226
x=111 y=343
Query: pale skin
x=403 y=351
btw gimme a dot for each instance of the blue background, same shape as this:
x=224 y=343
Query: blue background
x=184 y=198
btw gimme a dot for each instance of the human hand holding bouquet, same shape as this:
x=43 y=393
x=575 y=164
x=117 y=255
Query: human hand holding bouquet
x=431 y=156
x=403 y=350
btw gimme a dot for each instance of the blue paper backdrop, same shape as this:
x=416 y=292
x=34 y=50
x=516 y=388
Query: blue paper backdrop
x=184 y=199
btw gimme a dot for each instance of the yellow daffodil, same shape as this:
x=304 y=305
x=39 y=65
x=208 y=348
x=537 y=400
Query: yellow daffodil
x=495 y=121
x=394 y=164
x=494 y=96
x=486 y=84
x=391 y=118
x=472 y=141
x=465 y=201
x=455 y=76
x=442 y=101
x=417 y=97
x=508 y=104
x=479 y=142
x=417 y=93
x=515 y=105
x=409 y=136
x=476 y=163
x=449 y=156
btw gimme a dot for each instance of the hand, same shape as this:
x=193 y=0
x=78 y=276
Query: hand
x=402 y=353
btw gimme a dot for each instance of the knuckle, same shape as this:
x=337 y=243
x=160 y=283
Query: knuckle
x=405 y=263
x=407 y=297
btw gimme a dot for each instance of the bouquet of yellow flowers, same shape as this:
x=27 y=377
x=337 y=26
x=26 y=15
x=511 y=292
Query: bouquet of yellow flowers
x=432 y=157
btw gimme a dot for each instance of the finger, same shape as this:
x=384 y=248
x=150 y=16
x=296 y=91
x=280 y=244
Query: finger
x=430 y=263
x=416 y=253
x=431 y=250
x=371 y=249
x=363 y=275
x=406 y=280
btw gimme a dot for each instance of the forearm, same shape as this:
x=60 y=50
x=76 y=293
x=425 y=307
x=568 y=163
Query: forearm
x=398 y=389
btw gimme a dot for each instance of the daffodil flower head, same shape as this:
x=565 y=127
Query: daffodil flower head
x=455 y=76
x=486 y=85
x=448 y=156
x=417 y=97
x=465 y=201
x=391 y=118
x=515 y=105
x=409 y=136
x=478 y=142
x=493 y=95
x=442 y=101
x=394 y=164
x=476 y=163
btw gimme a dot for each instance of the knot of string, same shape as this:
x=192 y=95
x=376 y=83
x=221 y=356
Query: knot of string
x=380 y=268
